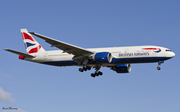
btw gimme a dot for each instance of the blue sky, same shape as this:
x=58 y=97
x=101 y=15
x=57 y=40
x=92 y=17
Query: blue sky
x=32 y=87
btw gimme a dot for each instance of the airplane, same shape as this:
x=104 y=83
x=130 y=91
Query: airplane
x=118 y=59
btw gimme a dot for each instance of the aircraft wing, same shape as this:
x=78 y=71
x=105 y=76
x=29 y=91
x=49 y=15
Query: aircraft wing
x=19 y=53
x=71 y=49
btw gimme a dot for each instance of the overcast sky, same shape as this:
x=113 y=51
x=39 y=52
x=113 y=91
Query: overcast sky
x=33 y=87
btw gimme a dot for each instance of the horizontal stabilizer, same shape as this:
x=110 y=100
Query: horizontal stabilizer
x=19 y=53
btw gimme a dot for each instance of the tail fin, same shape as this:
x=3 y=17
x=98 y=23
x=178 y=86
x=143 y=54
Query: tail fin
x=32 y=46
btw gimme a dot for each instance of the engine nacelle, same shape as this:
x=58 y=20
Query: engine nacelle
x=122 y=68
x=103 y=57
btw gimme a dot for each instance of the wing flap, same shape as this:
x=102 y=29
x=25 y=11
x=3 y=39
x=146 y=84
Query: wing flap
x=71 y=49
x=19 y=53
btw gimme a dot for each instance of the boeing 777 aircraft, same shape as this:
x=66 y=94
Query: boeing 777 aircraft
x=116 y=58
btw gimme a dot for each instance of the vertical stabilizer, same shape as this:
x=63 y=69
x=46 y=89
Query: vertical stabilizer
x=32 y=46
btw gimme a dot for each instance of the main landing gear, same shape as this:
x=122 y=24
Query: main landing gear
x=159 y=63
x=97 y=72
x=85 y=68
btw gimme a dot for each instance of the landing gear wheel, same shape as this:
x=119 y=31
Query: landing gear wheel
x=92 y=75
x=100 y=73
x=96 y=74
x=158 y=68
x=159 y=63
x=84 y=68
x=81 y=69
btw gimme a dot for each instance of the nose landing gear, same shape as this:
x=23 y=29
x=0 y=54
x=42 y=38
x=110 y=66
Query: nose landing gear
x=159 y=63
x=158 y=68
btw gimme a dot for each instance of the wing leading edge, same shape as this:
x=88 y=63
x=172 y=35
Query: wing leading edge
x=71 y=49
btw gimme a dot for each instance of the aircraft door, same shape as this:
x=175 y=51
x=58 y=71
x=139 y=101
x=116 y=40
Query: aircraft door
x=45 y=56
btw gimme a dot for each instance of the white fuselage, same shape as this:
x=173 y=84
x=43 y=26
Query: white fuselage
x=121 y=55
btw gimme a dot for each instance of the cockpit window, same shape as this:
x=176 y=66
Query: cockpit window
x=168 y=50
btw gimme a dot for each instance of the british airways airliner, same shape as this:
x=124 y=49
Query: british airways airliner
x=118 y=59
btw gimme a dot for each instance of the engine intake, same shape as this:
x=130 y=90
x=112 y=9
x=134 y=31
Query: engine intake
x=122 y=68
x=103 y=57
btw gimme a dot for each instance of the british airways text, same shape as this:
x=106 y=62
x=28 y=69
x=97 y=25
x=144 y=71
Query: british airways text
x=134 y=54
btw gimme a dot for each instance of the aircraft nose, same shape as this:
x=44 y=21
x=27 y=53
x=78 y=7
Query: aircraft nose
x=173 y=54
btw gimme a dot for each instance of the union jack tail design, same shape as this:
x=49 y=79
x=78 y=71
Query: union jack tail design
x=32 y=46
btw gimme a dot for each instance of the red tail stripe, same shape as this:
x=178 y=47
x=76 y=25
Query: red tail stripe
x=34 y=50
x=39 y=47
x=26 y=36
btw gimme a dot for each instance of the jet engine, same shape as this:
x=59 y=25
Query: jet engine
x=122 y=68
x=103 y=57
